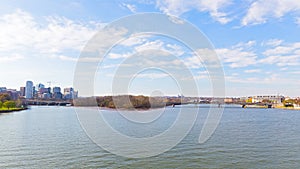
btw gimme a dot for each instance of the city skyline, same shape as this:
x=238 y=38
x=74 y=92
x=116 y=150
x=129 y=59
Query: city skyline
x=257 y=43
x=39 y=91
x=36 y=86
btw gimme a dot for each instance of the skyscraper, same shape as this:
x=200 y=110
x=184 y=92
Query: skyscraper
x=29 y=90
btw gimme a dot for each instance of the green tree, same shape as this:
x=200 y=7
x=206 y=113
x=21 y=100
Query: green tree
x=1 y=104
x=9 y=104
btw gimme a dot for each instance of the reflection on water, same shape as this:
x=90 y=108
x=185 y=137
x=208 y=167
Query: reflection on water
x=51 y=137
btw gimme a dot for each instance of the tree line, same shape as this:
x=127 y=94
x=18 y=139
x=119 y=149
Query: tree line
x=126 y=102
x=7 y=103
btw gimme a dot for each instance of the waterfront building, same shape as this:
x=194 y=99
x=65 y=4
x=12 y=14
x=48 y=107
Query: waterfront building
x=29 y=90
x=271 y=98
x=228 y=100
x=22 y=91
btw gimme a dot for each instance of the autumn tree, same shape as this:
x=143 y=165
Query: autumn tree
x=9 y=104
x=4 y=97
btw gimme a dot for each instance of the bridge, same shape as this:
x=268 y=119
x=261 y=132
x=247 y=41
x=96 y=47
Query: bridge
x=38 y=102
x=267 y=105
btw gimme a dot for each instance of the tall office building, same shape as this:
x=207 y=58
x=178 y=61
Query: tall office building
x=29 y=90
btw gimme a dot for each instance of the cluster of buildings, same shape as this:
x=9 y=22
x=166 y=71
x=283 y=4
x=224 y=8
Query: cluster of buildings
x=40 y=92
x=274 y=99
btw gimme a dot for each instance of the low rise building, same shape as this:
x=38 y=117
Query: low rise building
x=70 y=93
x=268 y=98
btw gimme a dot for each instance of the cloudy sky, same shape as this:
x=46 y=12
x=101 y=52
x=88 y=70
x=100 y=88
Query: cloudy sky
x=257 y=42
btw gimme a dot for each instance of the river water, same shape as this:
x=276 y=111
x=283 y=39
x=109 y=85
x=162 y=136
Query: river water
x=52 y=137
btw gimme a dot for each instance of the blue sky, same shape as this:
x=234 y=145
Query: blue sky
x=257 y=41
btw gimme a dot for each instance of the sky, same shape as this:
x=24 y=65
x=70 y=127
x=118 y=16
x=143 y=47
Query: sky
x=256 y=41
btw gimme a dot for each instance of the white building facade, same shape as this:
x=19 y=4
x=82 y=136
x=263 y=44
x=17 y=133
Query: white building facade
x=272 y=98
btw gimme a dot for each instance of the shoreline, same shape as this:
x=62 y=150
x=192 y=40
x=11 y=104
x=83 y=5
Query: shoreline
x=288 y=108
x=12 y=110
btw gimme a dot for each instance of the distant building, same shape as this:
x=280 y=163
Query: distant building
x=69 y=93
x=13 y=93
x=46 y=96
x=56 y=93
x=29 y=90
x=44 y=93
x=228 y=100
x=22 y=91
x=39 y=86
x=56 y=90
x=2 y=89
x=35 y=93
x=271 y=98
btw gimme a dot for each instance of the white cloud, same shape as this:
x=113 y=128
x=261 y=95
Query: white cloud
x=201 y=75
x=237 y=57
x=201 y=58
x=135 y=39
x=64 y=58
x=272 y=42
x=130 y=7
x=271 y=79
x=298 y=20
x=245 y=45
x=262 y=10
x=75 y=59
x=178 y=7
x=157 y=44
x=279 y=60
x=11 y=58
x=295 y=72
x=22 y=33
x=173 y=49
x=279 y=50
x=283 y=55
x=151 y=75
x=176 y=20
x=119 y=55
x=253 y=71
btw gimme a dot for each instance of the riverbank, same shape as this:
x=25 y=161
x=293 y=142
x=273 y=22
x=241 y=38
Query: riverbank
x=275 y=107
x=288 y=108
x=4 y=110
